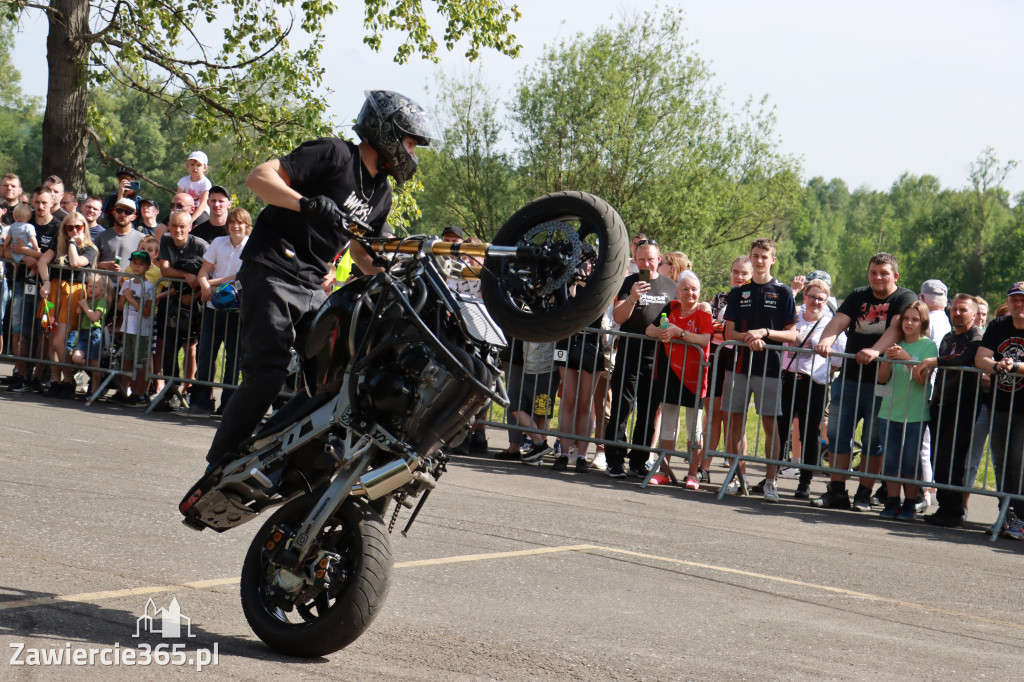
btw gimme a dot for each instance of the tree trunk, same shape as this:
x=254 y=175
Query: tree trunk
x=64 y=121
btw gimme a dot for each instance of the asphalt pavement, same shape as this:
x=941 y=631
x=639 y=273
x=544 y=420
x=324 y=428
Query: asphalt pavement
x=510 y=573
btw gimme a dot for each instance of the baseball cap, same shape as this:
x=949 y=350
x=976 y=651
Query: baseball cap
x=200 y=157
x=822 y=275
x=125 y=202
x=1017 y=288
x=140 y=255
x=934 y=287
x=151 y=202
x=453 y=229
x=219 y=189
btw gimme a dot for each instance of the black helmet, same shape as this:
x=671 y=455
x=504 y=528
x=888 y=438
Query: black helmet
x=125 y=170
x=384 y=121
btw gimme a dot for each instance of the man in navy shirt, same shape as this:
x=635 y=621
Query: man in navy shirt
x=760 y=312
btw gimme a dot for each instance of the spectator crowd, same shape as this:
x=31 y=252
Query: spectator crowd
x=910 y=383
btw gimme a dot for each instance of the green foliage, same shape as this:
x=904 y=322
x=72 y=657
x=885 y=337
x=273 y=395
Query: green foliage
x=631 y=114
x=20 y=119
x=469 y=181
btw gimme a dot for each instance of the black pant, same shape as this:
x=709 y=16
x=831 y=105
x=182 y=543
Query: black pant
x=804 y=399
x=276 y=315
x=951 y=427
x=632 y=384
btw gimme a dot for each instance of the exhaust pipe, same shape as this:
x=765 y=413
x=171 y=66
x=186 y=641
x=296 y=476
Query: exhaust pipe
x=386 y=479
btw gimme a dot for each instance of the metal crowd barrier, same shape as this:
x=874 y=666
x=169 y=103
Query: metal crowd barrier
x=964 y=420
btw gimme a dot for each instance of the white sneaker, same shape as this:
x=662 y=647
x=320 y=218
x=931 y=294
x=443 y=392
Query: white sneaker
x=771 y=492
x=599 y=462
x=789 y=472
x=733 y=487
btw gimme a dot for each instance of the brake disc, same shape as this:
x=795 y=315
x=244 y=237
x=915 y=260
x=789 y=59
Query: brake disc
x=570 y=240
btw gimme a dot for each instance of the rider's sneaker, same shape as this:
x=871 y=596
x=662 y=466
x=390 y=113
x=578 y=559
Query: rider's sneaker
x=535 y=455
x=581 y=465
x=561 y=463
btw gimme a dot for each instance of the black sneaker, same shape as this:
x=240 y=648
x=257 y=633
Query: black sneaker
x=880 y=496
x=561 y=463
x=582 y=466
x=507 y=455
x=477 y=442
x=535 y=455
x=67 y=390
x=635 y=473
x=803 y=492
x=944 y=520
x=616 y=472
x=758 y=488
x=862 y=499
x=703 y=475
x=53 y=390
x=18 y=384
x=834 y=497
x=36 y=386
x=137 y=401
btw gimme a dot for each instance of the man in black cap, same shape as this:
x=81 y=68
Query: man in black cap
x=219 y=202
x=453 y=234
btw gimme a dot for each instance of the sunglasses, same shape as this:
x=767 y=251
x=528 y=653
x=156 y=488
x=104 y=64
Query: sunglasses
x=74 y=227
x=124 y=211
x=646 y=242
x=177 y=205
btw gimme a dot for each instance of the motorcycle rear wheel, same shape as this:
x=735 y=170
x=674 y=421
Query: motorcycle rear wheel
x=531 y=299
x=332 y=619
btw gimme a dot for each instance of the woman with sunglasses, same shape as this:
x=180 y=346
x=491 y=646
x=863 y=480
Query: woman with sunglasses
x=72 y=250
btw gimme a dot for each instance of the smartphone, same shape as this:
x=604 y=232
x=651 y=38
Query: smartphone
x=645 y=275
x=134 y=185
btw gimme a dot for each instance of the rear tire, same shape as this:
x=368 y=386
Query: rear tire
x=532 y=299
x=332 y=619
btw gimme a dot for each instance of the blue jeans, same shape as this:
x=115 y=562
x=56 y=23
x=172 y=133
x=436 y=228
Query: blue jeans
x=852 y=402
x=218 y=327
x=902 y=448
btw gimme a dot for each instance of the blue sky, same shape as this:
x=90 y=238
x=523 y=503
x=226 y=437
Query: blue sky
x=863 y=91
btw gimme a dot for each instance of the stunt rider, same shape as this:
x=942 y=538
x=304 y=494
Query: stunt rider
x=286 y=261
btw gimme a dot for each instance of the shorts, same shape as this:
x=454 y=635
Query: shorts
x=65 y=297
x=535 y=394
x=767 y=392
x=853 y=401
x=137 y=350
x=581 y=352
x=23 y=308
x=89 y=342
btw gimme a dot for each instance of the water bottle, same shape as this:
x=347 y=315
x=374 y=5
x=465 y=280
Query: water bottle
x=664 y=321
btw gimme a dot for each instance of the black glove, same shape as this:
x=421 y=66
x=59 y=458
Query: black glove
x=321 y=211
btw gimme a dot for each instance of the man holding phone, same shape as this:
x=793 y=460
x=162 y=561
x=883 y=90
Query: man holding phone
x=638 y=304
x=127 y=188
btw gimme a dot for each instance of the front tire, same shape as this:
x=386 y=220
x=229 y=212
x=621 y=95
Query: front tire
x=546 y=299
x=322 y=623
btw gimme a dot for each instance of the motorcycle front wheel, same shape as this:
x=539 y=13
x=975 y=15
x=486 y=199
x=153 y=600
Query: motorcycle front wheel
x=322 y=623
x=583 y=249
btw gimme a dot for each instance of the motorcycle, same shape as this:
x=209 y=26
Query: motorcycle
x=396 y=367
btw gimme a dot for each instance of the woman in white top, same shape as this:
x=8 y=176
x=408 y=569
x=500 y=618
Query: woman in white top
x=220 y=324
x=806 y=378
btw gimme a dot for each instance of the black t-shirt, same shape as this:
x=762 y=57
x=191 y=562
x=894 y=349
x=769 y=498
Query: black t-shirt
x=869 y=318
x=647 y=311
x=66 y=275
x=192 y=251
x=207 y=231
x=957 y=350
x=45 y=235
x=1006 y=341
x=8 y=216
x=286 y=242
x=760 y=306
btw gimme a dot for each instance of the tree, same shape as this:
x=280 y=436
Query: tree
x=468 y=180
x=254 y=84
x=631 y=114
x=20 y=141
